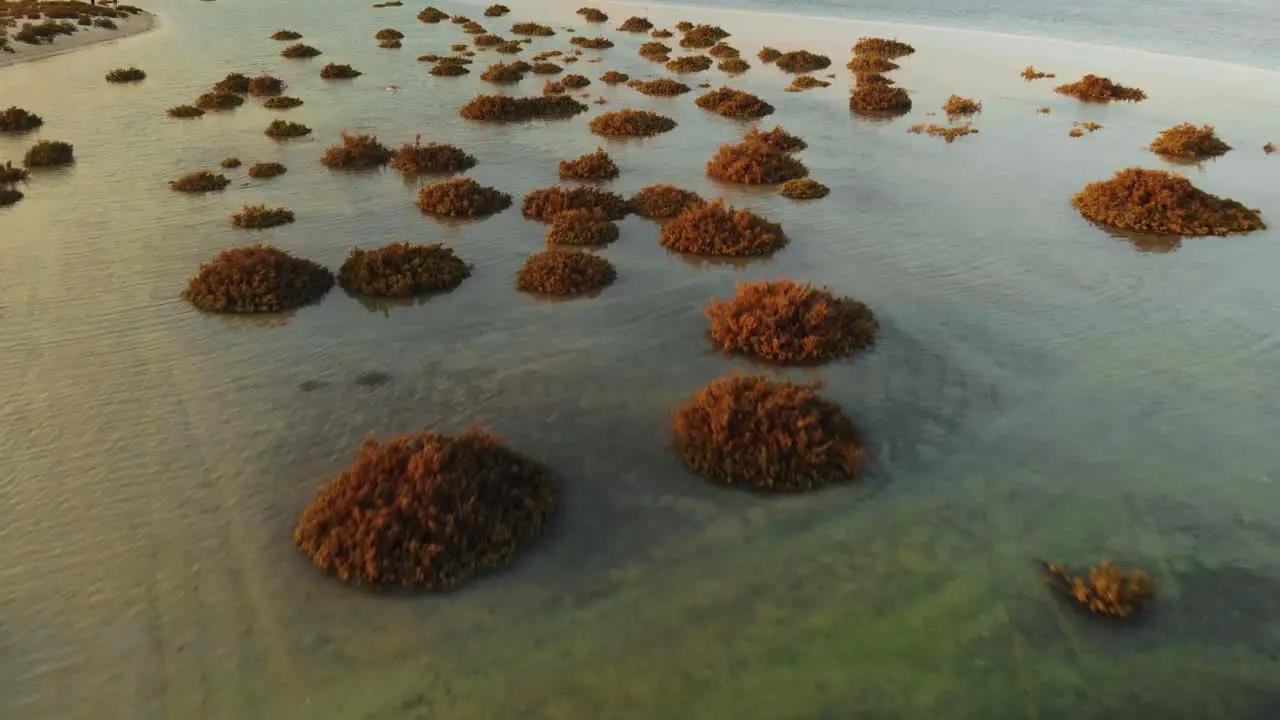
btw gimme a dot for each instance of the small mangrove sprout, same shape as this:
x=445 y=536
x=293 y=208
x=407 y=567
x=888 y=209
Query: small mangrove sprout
x=200 y=182
x=785 y=321
x=462 y=198
x=713 y=229
x=561 y=272
x=1108 y=590
x=257 y=279
x=546 y=203
x=631 y=123
x=581 y=227
x=357 y=151
x=733 y=103
x=1188 y=141
x=592 y=166
x=1163 y=203
x=402 y=270
x=126 y=75
x=1092 y=88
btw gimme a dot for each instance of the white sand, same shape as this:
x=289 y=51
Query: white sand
x=126 y=26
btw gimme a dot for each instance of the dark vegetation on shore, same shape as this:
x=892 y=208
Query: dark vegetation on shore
x=504 y=108
x=256 y=279
x=462 y=198
x=1163 y=203
x=357 y=151
x=546 y=203
x=564 y=272
x=200 y=182
x=631 y=123
x=581 y=227
x=592 y=166
x=790 y=322
x=400 y=269
x=1188 y=141
x=714 y=229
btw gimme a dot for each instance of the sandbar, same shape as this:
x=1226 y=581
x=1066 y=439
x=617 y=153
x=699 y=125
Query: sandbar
x=126 y=26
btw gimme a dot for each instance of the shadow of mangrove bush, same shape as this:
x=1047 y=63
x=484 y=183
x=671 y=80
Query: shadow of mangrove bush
x=400 y=269
x=462 y=198
x=581 y=227
x=256 y=279
x=784 y=321
x=564 y=273
x=1163 y=203
x=631 y=123
x=713 y=229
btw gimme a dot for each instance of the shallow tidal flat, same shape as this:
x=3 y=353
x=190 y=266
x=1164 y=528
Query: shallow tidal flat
x=1040 y=389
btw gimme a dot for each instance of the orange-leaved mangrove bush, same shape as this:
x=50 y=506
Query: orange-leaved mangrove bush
x=1163 y=203
x=199 y=182
x=631 y=123
x=957 y=105
x=752 y=163
x=574 y=82
x=786 y=321
x=661 y=201
x=510 y=47
x=126 y=75
x=802 y=61
x=16 y=119
x=432 y=15
x=299 y=51
x=635 y=24
x=662 y=87
x=281 y=102
x=546 y=203
x=356 y=151
x=184 y=111
x=596 y=43
x=763 y=435
x=427 y=511
x=871 y=64
x=551 y=87
x=1092 y=88
x=400 y=269
x=431 y=158
x=803 y=189
x=49 y=153
x=1031 y=73
x=333 y=71
x=768 y=54
x=733 y=66
x=233 y=83
x=266 y=170
x=778 y=139
x=286 y=129
x=462 y=198
x=879 y=100
x=496 y=10
x=581 y=227
x=1188 y=141
x=448 y=70
x=504 y=73
x=593 y=15
x=265 y=86
x=806 y=82
x=545 y=68
x=503 y=108
x=689 y=63
x=651 y=49
x=532 y=29
x=714 y=229
x=1107 y=590
x=613 y=77
x=884 y=47
x=219 y=101
x=488 y=40
x=286 y=35
x=256 y=279
x=261 y=217
x=722 y=51
x=872 y=79
x=592 y=166
x=734 y=104
x=563 y=272
x=1269 y=148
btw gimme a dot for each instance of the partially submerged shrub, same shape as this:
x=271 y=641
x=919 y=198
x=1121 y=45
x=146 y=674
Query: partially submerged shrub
x=713 y=229
x=126 y=75
x=560 y=272
x=1092 y=88
x=388 y=34
x=663 y=201
x=259 y=217
x=431 y=158
x=768 y=54
x=286 y=129
x=462 y=198
x=1090 y=126
x=432 y=15
x=581 y=227
x=883 y=47
x=785 y=321
x=504 y=73
x=636 y=25
x=734 y=104
x=596 y=43
x=16 y=119
x=546 y=68
x=532 y=29
x=552 y=88
x=11 y=175
x=778 y=139
x=689 y=63
x=357 y=151
x=286 y=35
x=233 y=83
x=592 y=166
x=488 y=40
x=956 y=105
x=879 y=100
x=496 y=10
x=805 y=82
x=49 y=153
x=546 y=203
x=515 y=109
x=402 y=270
x=574 y=82
x=427 y=511
x=184 y=111
x=219 y=100
x=947 y=132
x=338 y=72
x=256 y=279
x=266 y=170
x=281 y=102
x=871 y=64
x=723 y=50
x=1030 y=73
x=510 y=47
x=200 y=182
x=299 y=50
x=803 y=189
x=1108 y=590
x=1188 y=141
x=265 y=86
x=1163 y=203
x=662 y=87
x=651 y=49
x=660 y=33
x=754 y=163
x=872 y=79
x=734 y=65
x=802 y=61
x=684 y=26
x=389 y=44
x=613 y=77
x=593 y=15
x=767 y=436
x=631 y=123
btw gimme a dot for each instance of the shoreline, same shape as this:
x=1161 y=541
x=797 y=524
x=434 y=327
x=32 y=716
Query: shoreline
x=129 y=26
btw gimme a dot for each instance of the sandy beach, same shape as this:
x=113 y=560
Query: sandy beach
x=127 y=26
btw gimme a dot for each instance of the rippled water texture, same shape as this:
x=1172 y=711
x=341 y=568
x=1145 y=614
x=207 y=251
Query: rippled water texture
x=1041 y=389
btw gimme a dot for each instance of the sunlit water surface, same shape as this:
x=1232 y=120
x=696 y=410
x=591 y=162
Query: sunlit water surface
x=1041 y=389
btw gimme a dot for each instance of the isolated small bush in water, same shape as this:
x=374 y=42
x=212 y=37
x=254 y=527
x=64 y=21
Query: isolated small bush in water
x=734 y=104
x=803 y=189
x=768 y=54
x=286 y=35
x=338 y=72
x=713 y=229
x=16 y=119
x=199 y=182
x=864 y=64
x=631 y=123
x=592 y=166
x=1092 y=88
x=879 y=100
x=614 y=77
x=281 y=102
x=184 y=111
x=562 y=272
x=514 y=109
x=257 y=279
x=786 y=321
x=635 y=24
x=532 y=29
x=219 y=101
x=265 y=86
x=402 y=270
x=662 y=87
x=431 y=158
x=49 y=153
x=597 y=43
x=1188 y=141
x=258 y=217
x=126 y=75
x=806 y=82
x=230 y=162
x=593 y=15
x=1163 y=203
x=884 y=47
x=285 y=129
x=1031 y=73
x=1107 y=590
x=689 y=64
x=266 y=170
x=546 y=203
x=754 y=164
x=299 y=50
x=802 y=61
x=956 y=105
x=233 y=83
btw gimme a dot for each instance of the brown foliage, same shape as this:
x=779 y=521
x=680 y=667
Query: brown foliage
x=48 y=153
x=473 y=28
x=777 y=139
x=402 y=270
x=432 y=15
x=233 y=83
x=285 y=129
x=281 y=102
x=259 y=217
x=1031 y=73
x=803 y=189
x=562 y=272
x=546 y=68
x=532 y=29
x=593 y=15
x=504 y=73
x=592 y=166
x=613 y=77
x=552 y=88
x=266 y=170
x=219 y=101
x=789 y=322
x=879 y=99
x=754 y=163
x=805 y=82
x=574 y=82
x=230 y=162
x=650 y=49
x=286 y=35
x=631 y=123
x=713 y=229
x=714 y=33
x=1075 y=133
x=581 y=227
x=1092 y=88
x=200 y=181
x=723 y=50
x=956 y=105
x=872 y=79
x=663 y=201
x=357 y=151
x=10 y=175
x=16 y=119
x=871 y=64
x=496 y=10
x=1269 y=148
x=338 y=72
x=1108 y=590
x=256 y=279
x=514 y=109
x=510 y=47
x=689 y=63
x=883 y=47
x=635 y=24
x=597 y=43
x=768 y=54
x=265 y=86
x=546 y=203
x=391 y=44
x=1188 y=141
x=947 y=132
x=184 y=111
x=802 y=61
x=431 y=158
x=448 y=70
x=488 y=40
x=662 y=87
x=428 y=511
x=462 y=198
x=767 y=436
x=299 y=50
x=734 y=104
x=660 y=33
x=734 y=65
x=684 y=26
x=1163 y=203
x=126 y=75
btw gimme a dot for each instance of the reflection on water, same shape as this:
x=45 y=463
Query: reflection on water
x=1037 y=390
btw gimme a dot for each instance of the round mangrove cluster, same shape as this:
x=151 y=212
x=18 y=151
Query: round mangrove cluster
x=636 y=25
x=265 y=86
x=49 y=153
x=561 y=272
x=689 y=64
x=126 y=75
x=431 y=158
x=266 y=170
x=733 y=66
x=547 y=203
x=754 y=163
x=1188 y=141
x=574 y=82
x=958 y=106
x=16 y=119
x=872 y=99
x=462 y=198
x=505 y=73
x=286 y=129
x=402 y=270
x=427 y=511
x=653 y=50
x=199 y=182
x=545 y=68
x=723 y=50
x=865 y=64
x=785 y=321
x=532 y=29
x=802 y=61
x=233 y=83
x=631 y=123
x=768 y=55
x=703 y=36
x=662 y=87
x=489 y=40
x=734 y=104
x=281 y=102
x=256 y=279
x=356 y=151
x=581 y=227
x=184 y=111
x=217 y=100
x=449 y=70
x=432 y=15
x=338 y=72
x=1108 y=590
x=660 y=33
x=596 y=43
x=261 y=217
x=593 y=15
x=514 y=109
x=767 y=436
x=299 y=51
x=777 y=139
x=663 y=201
x=803 y=189
x=1163 y=203
x=613 y=77
x=1092 y=88
x=885 y=47
x=286 y=35
x=592 y=166
x=496 y=10
x=713 y=229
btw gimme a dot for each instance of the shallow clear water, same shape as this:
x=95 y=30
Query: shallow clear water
x=1041 y=389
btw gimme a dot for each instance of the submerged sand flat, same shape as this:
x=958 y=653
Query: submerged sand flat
x=1039 y=389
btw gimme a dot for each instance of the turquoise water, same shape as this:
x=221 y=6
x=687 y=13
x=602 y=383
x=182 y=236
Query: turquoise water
x=1041 y=389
